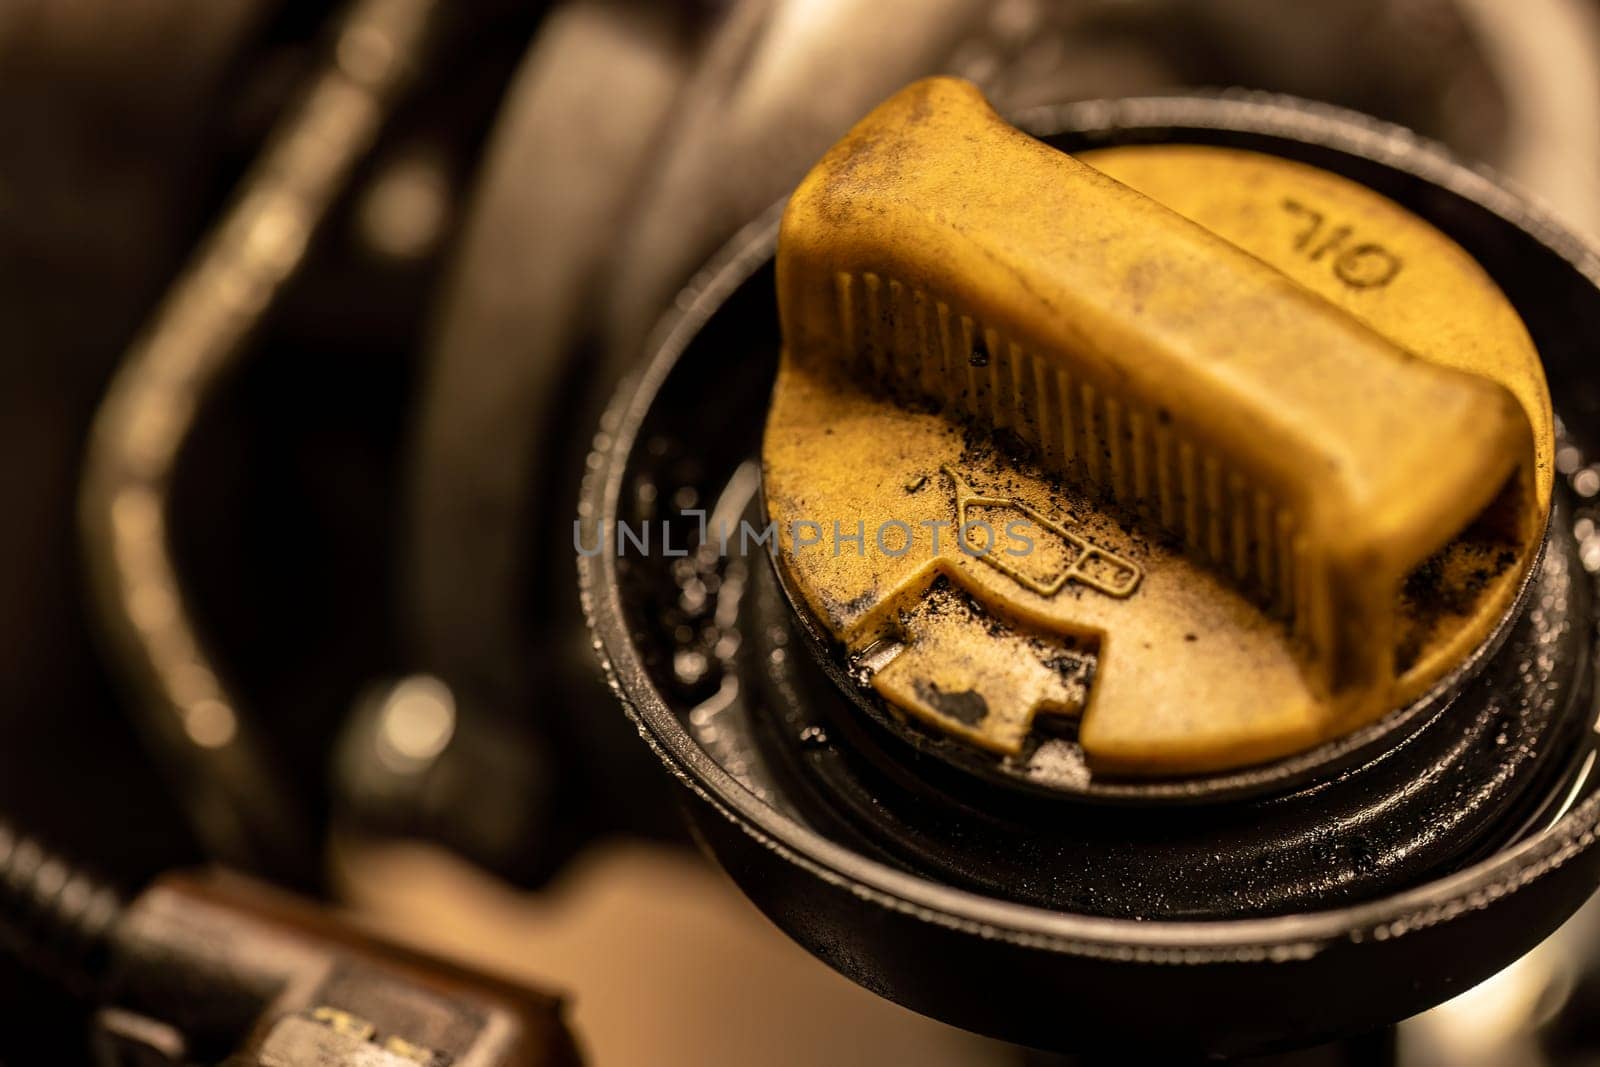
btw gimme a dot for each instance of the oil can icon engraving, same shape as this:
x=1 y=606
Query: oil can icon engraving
x=1057 y=555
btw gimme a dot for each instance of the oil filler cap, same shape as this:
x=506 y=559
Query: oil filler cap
x=1214 y=455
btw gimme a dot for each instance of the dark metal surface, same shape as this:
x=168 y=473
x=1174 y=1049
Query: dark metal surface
x=1117 y=958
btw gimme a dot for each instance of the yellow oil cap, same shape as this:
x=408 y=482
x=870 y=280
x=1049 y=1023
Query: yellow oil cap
x=1223 y=453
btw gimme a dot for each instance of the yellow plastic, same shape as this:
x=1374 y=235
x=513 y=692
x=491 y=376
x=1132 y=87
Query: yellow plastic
x=1258 y=519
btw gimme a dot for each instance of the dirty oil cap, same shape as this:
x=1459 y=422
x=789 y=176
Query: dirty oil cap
x=1217 y=454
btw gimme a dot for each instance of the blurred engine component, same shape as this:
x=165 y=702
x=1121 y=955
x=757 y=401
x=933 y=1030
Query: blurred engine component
x=207 y=968
x=246 y=811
